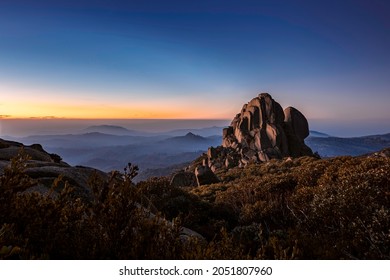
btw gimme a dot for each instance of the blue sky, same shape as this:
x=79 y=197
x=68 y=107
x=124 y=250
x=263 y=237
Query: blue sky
x=195 y=59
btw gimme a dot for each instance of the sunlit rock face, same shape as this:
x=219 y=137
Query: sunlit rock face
x=260 y=132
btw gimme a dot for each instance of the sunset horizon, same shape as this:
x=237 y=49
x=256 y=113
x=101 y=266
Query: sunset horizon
x=89 y=59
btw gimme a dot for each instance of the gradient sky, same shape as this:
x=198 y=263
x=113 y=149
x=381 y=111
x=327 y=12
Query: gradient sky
x=194 y=59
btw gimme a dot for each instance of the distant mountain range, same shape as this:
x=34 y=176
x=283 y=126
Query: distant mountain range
x=86 y=140
x=122 y=131
x=109 y=147
x=354 y=146
x=106 y=148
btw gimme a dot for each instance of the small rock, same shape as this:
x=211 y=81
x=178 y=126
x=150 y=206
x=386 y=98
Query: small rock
x=204 y=176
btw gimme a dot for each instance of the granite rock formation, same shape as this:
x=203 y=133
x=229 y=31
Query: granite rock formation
x=44 y=168
x=260 y=132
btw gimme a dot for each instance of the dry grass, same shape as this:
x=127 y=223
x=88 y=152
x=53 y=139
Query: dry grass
x=300 y=209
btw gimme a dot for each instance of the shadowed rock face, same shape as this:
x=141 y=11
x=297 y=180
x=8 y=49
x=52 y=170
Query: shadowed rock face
x=183 y=179
x=44 y=168
x=297 y=129
x=260 y=132
x=204 y=175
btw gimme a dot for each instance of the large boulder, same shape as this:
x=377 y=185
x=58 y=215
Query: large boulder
x=296 y=129
x=204 y=175
x=263 y=131
x=297 y=121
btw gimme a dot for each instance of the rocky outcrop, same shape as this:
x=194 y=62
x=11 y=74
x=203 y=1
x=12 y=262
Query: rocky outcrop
x=385 y=153
x=10 y=149
x=260 y=132
x=44 y=168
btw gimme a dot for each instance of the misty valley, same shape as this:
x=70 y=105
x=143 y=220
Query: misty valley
x=156 y=154
x=110 y=147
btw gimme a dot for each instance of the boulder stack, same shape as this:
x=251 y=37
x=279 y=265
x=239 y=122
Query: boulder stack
x=260 y=132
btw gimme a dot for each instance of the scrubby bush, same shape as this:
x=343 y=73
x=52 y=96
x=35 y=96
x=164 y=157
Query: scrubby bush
x=112 y=226
x=312 y=209
x=301 y=209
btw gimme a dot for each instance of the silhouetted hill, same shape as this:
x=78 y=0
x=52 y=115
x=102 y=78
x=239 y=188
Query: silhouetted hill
x=205 y=132
x=189 y=138
x=314 y=133
x=113 y=130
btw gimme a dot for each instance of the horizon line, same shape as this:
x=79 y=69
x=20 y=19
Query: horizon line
x=82 y=119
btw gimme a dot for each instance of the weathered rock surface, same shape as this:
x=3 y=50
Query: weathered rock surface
x=44 y=168
x=260 y=132
x=183 y=179
x=10 y=149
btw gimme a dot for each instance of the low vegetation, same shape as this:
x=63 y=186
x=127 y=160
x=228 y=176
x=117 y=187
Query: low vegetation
x=303 y=208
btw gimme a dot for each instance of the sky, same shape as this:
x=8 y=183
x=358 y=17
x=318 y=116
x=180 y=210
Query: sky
x=199 y=59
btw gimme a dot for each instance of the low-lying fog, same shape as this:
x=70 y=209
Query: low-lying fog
x=158 y=147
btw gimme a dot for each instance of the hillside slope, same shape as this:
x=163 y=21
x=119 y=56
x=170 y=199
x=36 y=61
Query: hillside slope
x=304 y=208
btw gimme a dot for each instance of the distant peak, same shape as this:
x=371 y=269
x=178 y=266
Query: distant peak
x=190 y=134
x=106 y=126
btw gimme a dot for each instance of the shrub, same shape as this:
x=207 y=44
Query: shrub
x=305 y=208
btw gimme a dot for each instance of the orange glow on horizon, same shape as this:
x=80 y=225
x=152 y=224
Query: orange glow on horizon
x=44 y=104
x=40 y=110
x=36 y=103
x=48 y=111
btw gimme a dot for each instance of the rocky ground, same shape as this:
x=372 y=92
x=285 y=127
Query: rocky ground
x=45 y=168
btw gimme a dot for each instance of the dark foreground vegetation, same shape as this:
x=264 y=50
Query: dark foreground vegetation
x=303 y=208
